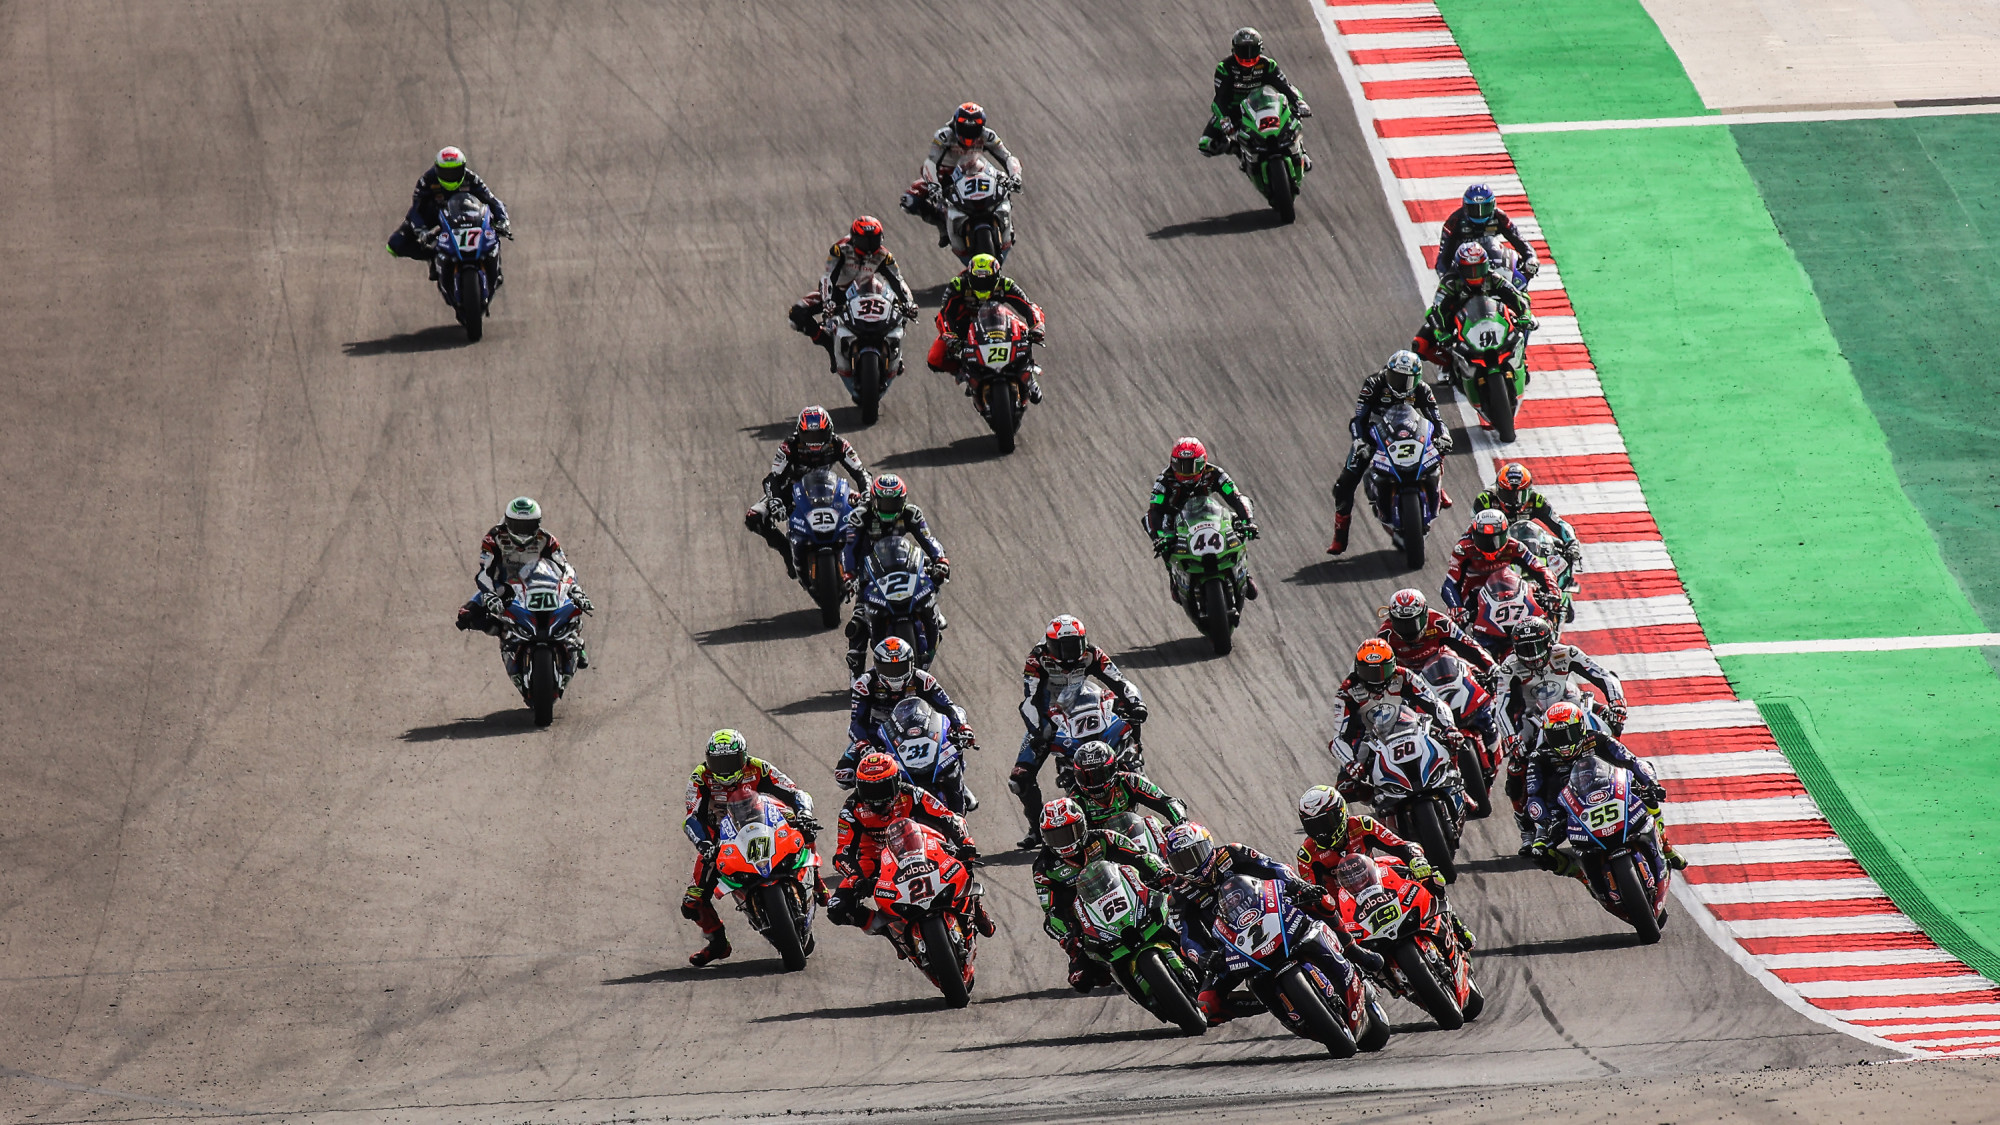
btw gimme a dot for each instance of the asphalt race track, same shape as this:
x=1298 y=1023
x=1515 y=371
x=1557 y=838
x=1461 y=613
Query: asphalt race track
x=275 y=839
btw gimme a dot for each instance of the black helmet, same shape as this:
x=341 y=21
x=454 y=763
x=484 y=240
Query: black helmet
x=1532 y=640
x=1247 y=45
x=969 y=122
x=1093 y=765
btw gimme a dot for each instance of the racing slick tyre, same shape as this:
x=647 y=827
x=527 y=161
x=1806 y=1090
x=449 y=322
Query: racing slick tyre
x=1315 y=1020
x=1632 y=893
x=1428 y=830
x=943 y=962
x=780 y=928
x=1410 y=518
x=1278 y=188
x=542 y=685
x=1215 y=616
x=1425 y=989
x=1169 y=995
x=868 y=386
x=1499 y=396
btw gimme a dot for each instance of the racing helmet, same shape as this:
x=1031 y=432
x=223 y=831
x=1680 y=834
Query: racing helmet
x=1489 y=532
x=1068 y=641
x=1472 y=264
x=1408 y=613
x=1563 y=731
x=1533 y=640
x=1511 y=486
x=815 y=429
x=888 y=496
x=450 y=168
x=865 y=235
x=1401 y=373
x=727 y=755
x=969 y=123
x=1246 y=46
x=895 y=662
x=521 y=521
x=877 y=780
x=1374 y=662
x=1191 y=851
x=1189 y=460
x=1093 y=765
x=1478 y=201
x=982 y=276
x=1323 y=816
x=1063 y=827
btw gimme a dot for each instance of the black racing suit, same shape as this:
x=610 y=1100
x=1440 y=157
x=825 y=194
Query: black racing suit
x=1233 y=83
x=1194 y=905
x=1434 y=337
x=427 y=200
x=1125 y=792
x=864 y=530
x=1545 y=781
x=870 y=701
x=1374 y=398
x=789 y=466
x=1460 y=228
x=1055 y=886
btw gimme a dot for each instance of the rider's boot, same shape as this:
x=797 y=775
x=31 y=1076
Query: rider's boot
x=1527 y=828
x=1444 y=498
x=980 y=921
x=1466 y=940
x=1674 y=859
x=582 y=655
x=1341 y=521
x=1250 y=587
x=1034 y=390
x=716 y=949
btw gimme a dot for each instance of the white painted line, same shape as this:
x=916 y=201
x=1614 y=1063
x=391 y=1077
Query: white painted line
x=1758 y=852
x=1930 y=1030
x=1914 y=1013
x=1426 y=233
x=1389 y=42
x=1776 y=117
x=1680 y=665
x=1921 y=986
x=1545 y=278
x=1742 y=763
x=1783 y=890
x=1388 y=11
x=1632 y=613
x=1444 y=144
x=1855 y=957
x=1453 y=188
x=1575 y=382
x=1741 y=811
x=1859 y=644
x=1595 y=497
x=1819 y=927
x=1974 y=1044
x=1560 y=441
x=1556 y=330
x=1605 y=558
x=1400 y=108
x=1411 y=71
x=1706 y=715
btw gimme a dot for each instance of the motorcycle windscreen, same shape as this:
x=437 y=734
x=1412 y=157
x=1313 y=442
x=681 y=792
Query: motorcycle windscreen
x=1086 y=709
x=1485 y=325
x=820 y=488
x=1403 y=422
x=1265 y=111
x=904 y=840
x=1444 y=671
x=1591 y=778
x=896 y=555
x=870 y=303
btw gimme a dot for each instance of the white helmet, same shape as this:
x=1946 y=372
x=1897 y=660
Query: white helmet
x=1402 y=372
x=522 y=520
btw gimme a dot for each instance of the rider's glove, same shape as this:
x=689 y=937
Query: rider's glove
x=1421 y=869
x=1014 y=185
x=941 y=571
x=1037 y=336
x=1250 y=530
x=966 y=852
x=1444 y=441
x=493 y=604
x=1651 y=792
x=1162 y=544
x=581 y=600
x=806 y=823
x=705 y=849
x=1618 y=714
x=1135 y=710
x=1303 y=110
x=912 y=312
x=503 y=229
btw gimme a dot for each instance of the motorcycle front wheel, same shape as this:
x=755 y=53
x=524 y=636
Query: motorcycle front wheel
x=1002 y=412
x=1425 y=989
x=471 y=308
x=1170 y=1000
x=1278 y=189
x=943 y=962
x=868 y=386
x=1632 y=894
x=1316 y=1020
x=1410 y=519
x=542 y=685
x=1427 y=828
x=779 y=928
x=1215 y=616
x=1500 y=403
x=827 y=589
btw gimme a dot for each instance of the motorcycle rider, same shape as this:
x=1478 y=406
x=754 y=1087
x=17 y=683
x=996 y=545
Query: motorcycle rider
x=1376 y=676
x=1538 y=655
x=874 y=695
x=965 y=134
x=1486 y=549
x=979 y=282
x=857 y=254
x=1070 y=844
x=887 y=513
x=1202 y=866
x=1472 y=275
x=1479 y=217
x=813 y=445
x=1400 y=380
x=1567 y=737
x=1189 y=474
x=1246 y=70
x=1513 y=496
x=881 y=797
x=447 y=176
x=1103 y=790
x=1063 y=657
x=510 y=549
x=1333 y=834
x=727 y=765
x=1416 y=633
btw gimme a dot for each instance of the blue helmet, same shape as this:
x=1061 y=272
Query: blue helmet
x=1479 y=202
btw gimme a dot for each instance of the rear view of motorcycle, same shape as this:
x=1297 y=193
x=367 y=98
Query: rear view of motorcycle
x=467 y=260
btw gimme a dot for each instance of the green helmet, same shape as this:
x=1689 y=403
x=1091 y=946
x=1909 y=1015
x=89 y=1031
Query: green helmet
x=982 y=276
x=727 y=755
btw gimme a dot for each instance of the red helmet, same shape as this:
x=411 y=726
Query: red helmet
x=1489 y=533
x=1472 y=264
x=815 y=430
x=865 y=235
x=1190 y=459
x=1512 y=484
x=1067 y=640
x=1408 y=613
x=1063 y=827
x=1563 y=730
x=1374 y=662
x=969 y=123
x=876 y=780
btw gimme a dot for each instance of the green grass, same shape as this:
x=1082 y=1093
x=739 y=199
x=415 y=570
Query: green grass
x=1571 y=60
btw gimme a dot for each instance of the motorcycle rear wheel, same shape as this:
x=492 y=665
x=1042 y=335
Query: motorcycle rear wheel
x=1632 y=892
x=1215 y=616
x=868 y=386
x=1427 y=829
x=1278 y=189
x=1479 y=799
x=943 y=962
x=542 y=685
x=1376 y=1036
x=471 y=309
x=779 y=928
x=1170 y=1000
x=1425 y=989
x=1002 y=413
x=1500 y=404
x=1316 y=1021
x=826 y=587
x=1411 y=520
x=986 y=240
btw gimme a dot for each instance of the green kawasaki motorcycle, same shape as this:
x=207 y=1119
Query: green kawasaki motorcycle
x=1267 y=147
x=1207 y=555
x=1125 y=926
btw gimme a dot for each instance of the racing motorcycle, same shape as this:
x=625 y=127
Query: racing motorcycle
x=539 y=637
x=927 y=895
x=1500 y=254
x=929 y=746
x=1546 y=549
x=1125 y=925
x=1265 y=137
x=1478 y=761
x=1416 y=783
x=1294 y=966
x=979 y=209
x=1402 y=481
x=466 y=260
x=1488 y=353
x=868 y=343
x=1142 y=829
x=1085 y=711
x=772 y=872
x=998 y=361
x=897 y=587
x=1398 y=918
x=1618 y=844
x=1503 y=601
x=1208 y=555
x=817 y=528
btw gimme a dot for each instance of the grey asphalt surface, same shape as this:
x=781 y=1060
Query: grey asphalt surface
x=276 y=840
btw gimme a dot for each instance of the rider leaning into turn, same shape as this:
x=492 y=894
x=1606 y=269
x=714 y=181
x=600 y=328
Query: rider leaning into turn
x=1472 y=276
x=1103 y=790
x=887 y=513
x=859 y=253
x=964 y=135
x=510 y=548
x=881 y=797
x=1479 y=217
x=1567 y=736
x=981 y=281
x=1246 y=70
x=813 y=445
x=1486 y=549
x=1333 y=834
x=447 y=176
x=1063 y=657
x=1070 y=844
x=727 y=766
x=1189 y=474
x=1376 y=676
x=1399 y=381
x=874 y=695
x=1514 y=496
x=1538 y=655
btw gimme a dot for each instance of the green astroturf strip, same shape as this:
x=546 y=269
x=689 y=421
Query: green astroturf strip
x=1767 y=473
x=1897 y=224
x=1570 y=60
x=1896 y=748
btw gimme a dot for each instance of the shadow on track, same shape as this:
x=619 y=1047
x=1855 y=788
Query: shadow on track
x=1242 y=222
x=860 y=1012
x=835 y=700
x=1497 y=863
x=435 y=339
x=1087 y=1039
x=734 y=970
x=1169 y=654
x=930 y=296
x=1588 y=943
x=771 y=431
x=781 y=627
x=1374 y=566
x=964 y=451
x=514 y=720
